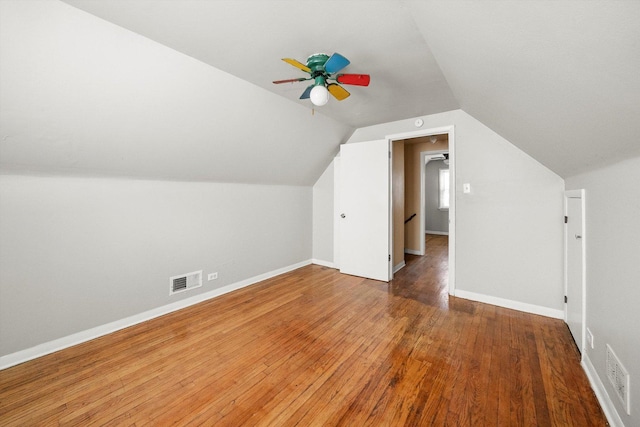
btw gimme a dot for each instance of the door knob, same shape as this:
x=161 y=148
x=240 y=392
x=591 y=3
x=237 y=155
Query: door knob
x=578 y=236
x=343 y=216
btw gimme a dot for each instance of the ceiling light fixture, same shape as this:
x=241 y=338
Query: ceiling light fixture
x=433 y=139
x=319 y=95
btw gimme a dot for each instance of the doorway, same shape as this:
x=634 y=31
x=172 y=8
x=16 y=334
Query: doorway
x=354 y=217
x=575 y=284
x=409 y=220
x=434 y=187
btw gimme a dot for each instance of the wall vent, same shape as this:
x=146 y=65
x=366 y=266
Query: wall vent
x=619 y=378
x=184 y=282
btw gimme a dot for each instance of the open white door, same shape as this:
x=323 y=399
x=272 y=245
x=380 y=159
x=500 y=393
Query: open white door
x=364 y=209
x=575 y=283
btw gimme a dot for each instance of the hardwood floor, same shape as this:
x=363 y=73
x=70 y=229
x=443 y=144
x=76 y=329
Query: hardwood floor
x=317 y=348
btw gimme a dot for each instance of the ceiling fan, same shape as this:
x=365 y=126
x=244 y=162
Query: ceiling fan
x=323 y=70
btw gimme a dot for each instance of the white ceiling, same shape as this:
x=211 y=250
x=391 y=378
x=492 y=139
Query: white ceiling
x=559 y=79
x=249 y=38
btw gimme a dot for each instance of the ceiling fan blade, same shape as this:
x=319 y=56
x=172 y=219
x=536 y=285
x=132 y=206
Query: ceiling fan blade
x=335 y=63
x=307 y=93
x=354 y=79
x=301 y=79
x=338 y=91
x=297 y=64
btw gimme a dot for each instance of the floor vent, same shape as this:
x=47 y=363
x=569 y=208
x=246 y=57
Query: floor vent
x=184 y=282
x=619 y=378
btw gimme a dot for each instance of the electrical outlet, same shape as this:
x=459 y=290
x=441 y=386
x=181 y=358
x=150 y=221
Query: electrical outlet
x=212 y=276
x=589 y=338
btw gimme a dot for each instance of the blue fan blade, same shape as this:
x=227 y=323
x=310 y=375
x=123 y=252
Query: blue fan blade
x=336 y=63
x=306 y=93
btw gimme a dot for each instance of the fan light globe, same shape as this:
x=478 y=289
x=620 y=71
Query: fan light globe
x=319 y=95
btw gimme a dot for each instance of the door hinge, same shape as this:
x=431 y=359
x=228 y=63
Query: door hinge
x=389 y=154
x=566 y=219
x=565 y=299
x=389 y=257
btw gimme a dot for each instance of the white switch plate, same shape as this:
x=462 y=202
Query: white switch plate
x=589 y=338
x=212 y=276
x=466 y=188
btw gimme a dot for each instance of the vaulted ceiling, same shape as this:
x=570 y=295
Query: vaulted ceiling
x=559 y=79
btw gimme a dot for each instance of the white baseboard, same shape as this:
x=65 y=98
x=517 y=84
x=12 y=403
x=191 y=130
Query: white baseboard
x=439 y=233
x=412 y=252
x=605 y=401
x=514 y=305
x=89 y=334
x=399 y=266
x=323 y=263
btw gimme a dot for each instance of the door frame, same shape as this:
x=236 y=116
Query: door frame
x=577 y=194
x=450 y=131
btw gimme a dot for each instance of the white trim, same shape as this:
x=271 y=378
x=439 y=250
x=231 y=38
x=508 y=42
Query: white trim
x=323 y=263
x=600 y=391
x=412 y=252
x=514 y=305
x=439 y=233
x=418 y=133
x=399 y=266
x=390 y=213
x=89 y=334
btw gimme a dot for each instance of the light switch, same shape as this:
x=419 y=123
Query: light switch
x=466 y=188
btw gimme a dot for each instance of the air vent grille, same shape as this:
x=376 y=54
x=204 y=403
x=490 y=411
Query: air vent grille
x=619 y=378
x=185 y=282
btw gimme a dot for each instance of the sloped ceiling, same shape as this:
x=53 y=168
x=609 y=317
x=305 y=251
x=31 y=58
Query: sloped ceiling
x=248 y=39
x=558 y=79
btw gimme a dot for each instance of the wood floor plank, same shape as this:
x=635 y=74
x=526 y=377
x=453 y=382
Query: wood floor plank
x=315 y=347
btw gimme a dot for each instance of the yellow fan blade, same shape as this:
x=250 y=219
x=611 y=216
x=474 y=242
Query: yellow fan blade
x=297 y=64
x=338 y=91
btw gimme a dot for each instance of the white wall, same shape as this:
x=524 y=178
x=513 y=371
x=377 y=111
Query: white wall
x=323 y=217
x=77 y=253
x=82 y=96
x=612 y=239
x=509 y=235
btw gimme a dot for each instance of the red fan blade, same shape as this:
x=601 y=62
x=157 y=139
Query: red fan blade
x=301 y=79
x=354 y=79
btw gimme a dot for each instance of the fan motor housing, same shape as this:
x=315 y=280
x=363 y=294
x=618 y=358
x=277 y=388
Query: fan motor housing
x=316 y=63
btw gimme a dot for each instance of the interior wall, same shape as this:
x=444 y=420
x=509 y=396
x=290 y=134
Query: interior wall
x=509 y=242
x=413 y=198
x=323 y=217
x=398 y=198
x=77 y=253
x=436 y=219
x=82 y=96
x=612 y=234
